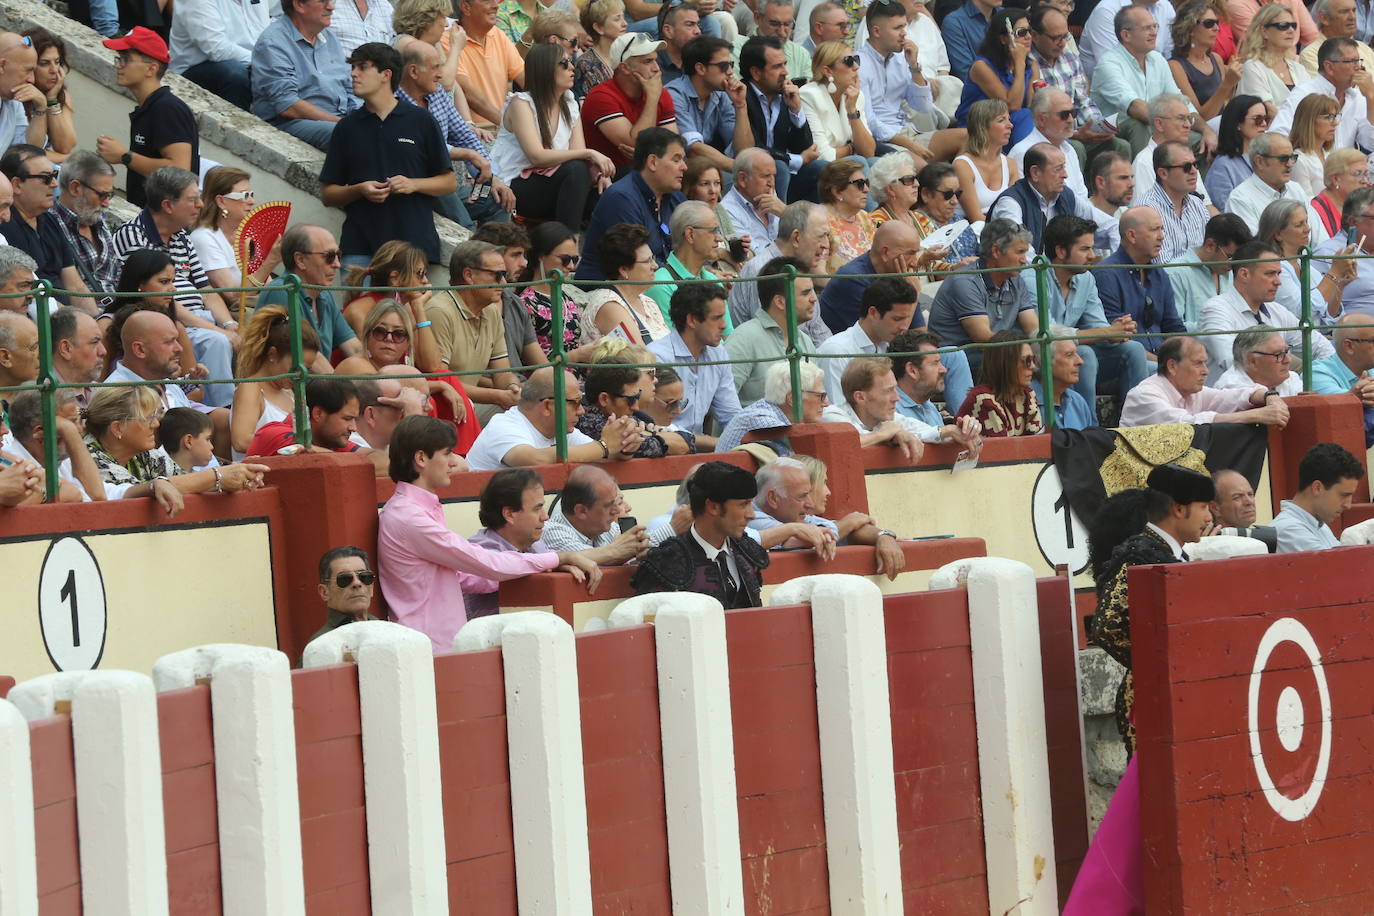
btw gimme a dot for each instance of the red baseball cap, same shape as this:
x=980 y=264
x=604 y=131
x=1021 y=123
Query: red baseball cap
x=144 y=41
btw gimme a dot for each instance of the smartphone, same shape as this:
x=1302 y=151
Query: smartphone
x=738 y=252
x=627 y=522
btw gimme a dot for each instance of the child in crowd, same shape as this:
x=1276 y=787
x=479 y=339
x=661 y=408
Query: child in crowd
x=185 y=435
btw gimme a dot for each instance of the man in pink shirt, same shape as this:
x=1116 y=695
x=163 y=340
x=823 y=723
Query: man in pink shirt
x=424 y=566
x=1176 y=394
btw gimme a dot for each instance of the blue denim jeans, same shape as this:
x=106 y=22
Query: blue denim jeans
x=227 y=79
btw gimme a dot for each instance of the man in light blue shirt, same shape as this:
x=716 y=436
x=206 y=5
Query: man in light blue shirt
x=698 y=315
x=1130 y=74
x=708 y=101
x=1348 y=369
x=890 y=75
x=1327 y=478
x=964 y=29
x=1201 y=273
x=919 y=379
x=301 y=82
x=1071 y=409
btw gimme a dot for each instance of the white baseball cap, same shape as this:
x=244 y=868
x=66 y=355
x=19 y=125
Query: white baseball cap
x=632 y=44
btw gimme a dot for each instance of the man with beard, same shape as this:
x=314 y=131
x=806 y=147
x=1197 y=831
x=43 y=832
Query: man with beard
x=87 y=189
x=919 y=379
x=1111 y=179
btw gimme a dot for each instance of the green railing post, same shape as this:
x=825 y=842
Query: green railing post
x=47 y=390
x=1305 y=274
x=793 y=351
x=560 y=375
x=301 y=410
x=1042 y=309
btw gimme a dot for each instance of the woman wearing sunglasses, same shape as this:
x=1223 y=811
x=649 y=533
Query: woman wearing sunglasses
x=1005 y=403
x=1243 y=119
x=844 y=194
x=540 y=151
x=927 y=200
x=387 y=335
x=1270 y=52
x=612 y=390
x=1003 y=70
x=226 y=199
x=552 y=247
x=1196 y=66
x=834 y=106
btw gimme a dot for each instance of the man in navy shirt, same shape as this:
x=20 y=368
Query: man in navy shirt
x=646 y=197
x=386 y=162
x=1145 y=295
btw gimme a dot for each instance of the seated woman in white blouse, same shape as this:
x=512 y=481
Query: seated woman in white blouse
x=1269 y=50
x=834 y=106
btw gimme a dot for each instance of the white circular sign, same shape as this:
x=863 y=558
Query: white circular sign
x=1288 y=717
x=1059 y=534
x=71 y=606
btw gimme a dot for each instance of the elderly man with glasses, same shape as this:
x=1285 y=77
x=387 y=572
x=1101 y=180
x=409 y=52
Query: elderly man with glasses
x=1272 y=156
x=1340 y=75
x=695 y=231
x=33 y=227
x=82 y=205
x=311 y=253
x=1061 y=67
x=1260 y=356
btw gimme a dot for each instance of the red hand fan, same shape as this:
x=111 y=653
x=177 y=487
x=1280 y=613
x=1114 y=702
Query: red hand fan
x=258 y=232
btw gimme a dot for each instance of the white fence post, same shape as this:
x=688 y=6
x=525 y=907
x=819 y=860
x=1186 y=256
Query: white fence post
x=854 y=712
x=544 y=731
x=118 y=765
x=698 y=743
x=18 y=856
x=405 y=806
x=1009 y=703
x=255 y=772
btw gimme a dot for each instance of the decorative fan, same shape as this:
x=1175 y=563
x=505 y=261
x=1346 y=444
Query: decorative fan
x=256 y=235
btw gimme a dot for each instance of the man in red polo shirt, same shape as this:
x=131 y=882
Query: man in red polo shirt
x=632 y=100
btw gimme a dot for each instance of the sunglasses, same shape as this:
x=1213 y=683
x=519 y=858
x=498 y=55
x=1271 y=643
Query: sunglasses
x=1259 y=119
x=45 y=177
x=569 y=260
x=724 y=66
x=947 y=195
x=1067 y=114
x=1282 y=26
x=499 y=275
x=364 y=576
x=630 y=399
x=566 y=63
x=860 y=183
x=104 y=196
x=239 y=195
x=331 y=256
x=908 y=180
x=1023 y=32
x=676 y=405
x=1186 y=166
x=1209 y=23
x=850 y=60
x=393 y=334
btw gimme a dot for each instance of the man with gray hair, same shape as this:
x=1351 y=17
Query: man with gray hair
x=1260 y=356
x=1072 y=410
x=695 y=232
x=1053 y=112
x=17 y=275
x=1335 y=19
x=774 y=409
x=803 y=233
x=1272 y=157
x=173 y=206
x=753 y=204
x=1171 y=121
x=87 y=189
x=311 y=253
x=1041 y=194
x=1340 y=76
x=971 y=307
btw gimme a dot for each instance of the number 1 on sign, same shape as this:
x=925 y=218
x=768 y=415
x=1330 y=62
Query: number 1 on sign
x=68 y=593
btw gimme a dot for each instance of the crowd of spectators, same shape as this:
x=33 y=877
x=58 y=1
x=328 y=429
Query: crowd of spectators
x=1171 y=162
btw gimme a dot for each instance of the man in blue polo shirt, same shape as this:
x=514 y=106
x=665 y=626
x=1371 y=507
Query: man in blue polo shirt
x=386 y=163
x=646 y=197
x=964 y=29
x=311 y=253
x=1071 y=409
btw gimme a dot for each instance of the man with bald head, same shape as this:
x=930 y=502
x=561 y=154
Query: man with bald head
x=586 y=516
x=1347 y=370
x=1234 y=506
x=152 y=352
x=18 y=60
x=1146 y=295
x=18 y=351
x=524 y=435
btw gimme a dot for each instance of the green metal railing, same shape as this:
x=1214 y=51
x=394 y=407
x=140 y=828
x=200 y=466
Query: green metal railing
x=48 y=385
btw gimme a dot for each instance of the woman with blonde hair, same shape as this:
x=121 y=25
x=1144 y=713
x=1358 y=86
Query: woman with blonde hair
x=226 y=198
x=428 y=21
x=1270 y=52
x=1345 y=170
x=983 y=171
x=1313 y=133
x=844 y=194
x=121 y=435
x=604 y=21
x=834 y=105
x=266 y=350
x=638 y=354
x=1196 y=66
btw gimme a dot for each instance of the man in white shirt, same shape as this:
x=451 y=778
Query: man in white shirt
x=152 y=353
x=1260 y=356
x=586 y=516
x=524 y=435
x=1113 y=188
x=1250 y=302
x=1328 y=476
x=1178 y=394
x=1272 y=156
x=869 y=405
x=886 y=309
x=753 y=204
x=1335 y=19
x=1054 y=124
x=212 y=44
x=1099 y=34
x=1170 y=122
x=1341 y=76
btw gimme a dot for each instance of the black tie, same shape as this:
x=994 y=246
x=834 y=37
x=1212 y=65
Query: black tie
x=1262 y=315
x=727 y=581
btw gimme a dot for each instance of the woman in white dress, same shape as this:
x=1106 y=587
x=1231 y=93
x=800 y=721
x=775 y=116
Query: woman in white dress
x=1270 y=52
x=266 y=350
x=227 y=198
x=623 y=310
x=1313 y=133
x=983 y=171
x=834 y=106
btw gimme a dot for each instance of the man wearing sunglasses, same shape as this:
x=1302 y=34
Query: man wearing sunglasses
x=1272 y=157
x=633 y=100
x=311 y=253
x=346 y=586
x=1054 y=116
x=1061 y=67
x=708 y=101
x=1341 y=75
x=32 y=226
x=1174 y=196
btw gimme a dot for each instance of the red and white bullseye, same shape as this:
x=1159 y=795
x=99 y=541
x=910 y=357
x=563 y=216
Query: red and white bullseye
x=1289 y=717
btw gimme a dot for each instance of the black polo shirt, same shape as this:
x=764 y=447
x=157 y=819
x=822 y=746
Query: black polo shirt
x=47 y=244
x=366 y=148
x=162 y=119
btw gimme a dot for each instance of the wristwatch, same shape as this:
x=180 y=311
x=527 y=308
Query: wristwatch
x=1272 y=392
x=127 y=159
x=884 y=531
x=854 y=116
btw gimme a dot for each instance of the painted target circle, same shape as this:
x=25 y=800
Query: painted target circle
x=1287 y=718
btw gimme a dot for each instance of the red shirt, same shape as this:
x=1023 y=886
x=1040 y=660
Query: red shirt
x=607 y=101
x=271 y=438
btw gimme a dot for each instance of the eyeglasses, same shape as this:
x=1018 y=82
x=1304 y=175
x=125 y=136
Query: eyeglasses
x=1186 y=166
x=1360 y=339
x=714 y=230
x=1277 y=356
x=1290 y=158
x=724 y=66
x=240 y=195
x=395 y=335
x=566 y=63
x=630 y=399
x=569 y=260
x=364 y=577
x=331 y=256
x=1209 y=23
x=860 y=183
x=676 y=405
x=573 y=403
x=1258 y=119
x=570 y=42
x=782 y=23
x=1055 y=39
x=45 y=177
x=1030 y=362
x=850 y=60
x=908 y=180
x=818 y=394
x=1346 y=60
x=1330 y=117
x=1152 y=27
x=105 y=196
x=1281 y=26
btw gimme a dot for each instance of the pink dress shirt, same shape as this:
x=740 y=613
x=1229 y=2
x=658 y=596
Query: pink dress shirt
x=1156 y=400
x=423 y=565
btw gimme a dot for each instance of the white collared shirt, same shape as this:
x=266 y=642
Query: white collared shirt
x=1230 y=312
x=1353 y=129
x=1249 y=198
x=1169 y=539
x=711 y=553
x=851 y=340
